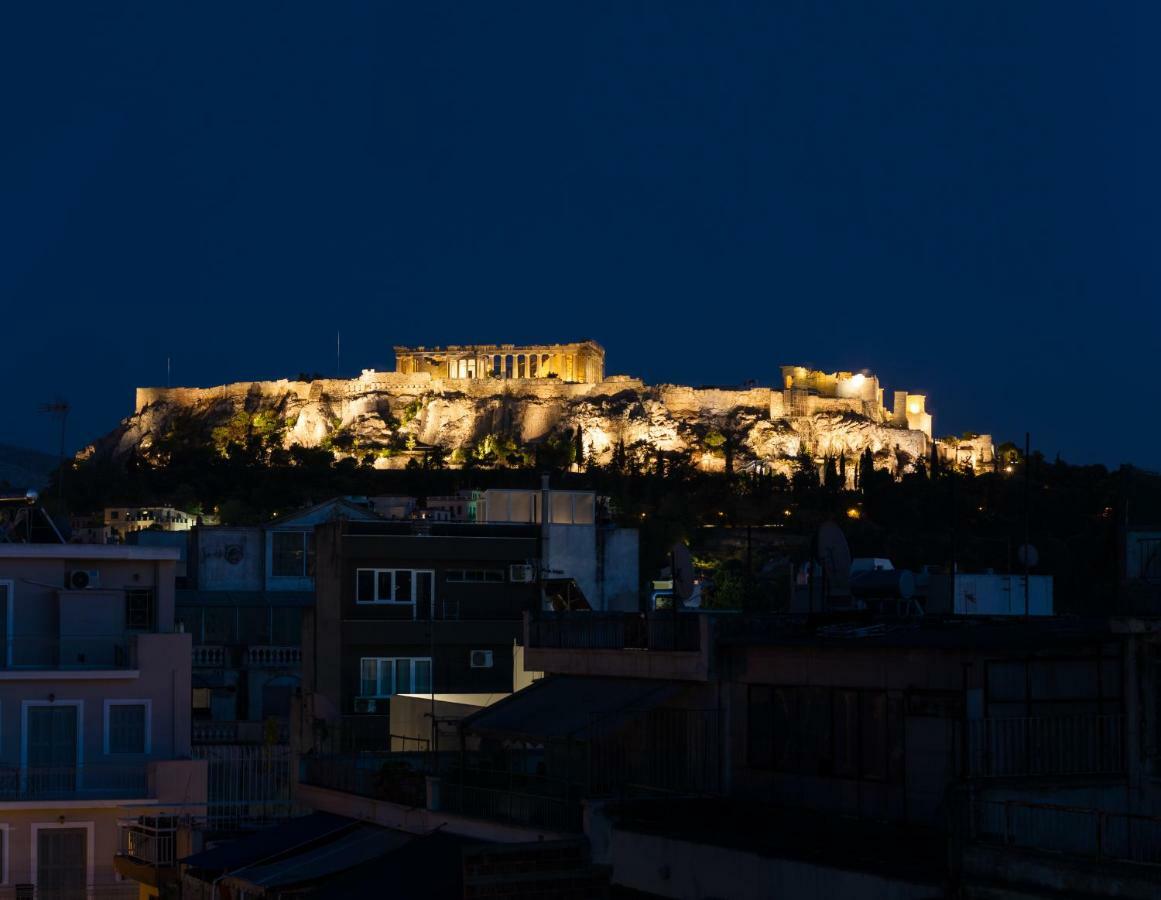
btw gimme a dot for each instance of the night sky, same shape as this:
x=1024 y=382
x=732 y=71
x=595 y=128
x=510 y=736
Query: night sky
x=963 y=197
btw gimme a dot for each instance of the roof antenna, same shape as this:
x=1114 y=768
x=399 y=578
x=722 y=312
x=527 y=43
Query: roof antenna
x=60 y=408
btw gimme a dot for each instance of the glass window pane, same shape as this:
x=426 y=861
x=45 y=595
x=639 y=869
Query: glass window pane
x=365 y=585
x=368 y=677
x=288 y=557
x=402 y=586
x=422 y=676
x=383 y=592
x=127 y=728
x=402 y=676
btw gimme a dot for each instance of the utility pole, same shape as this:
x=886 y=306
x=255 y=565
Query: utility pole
x=1027 y=494
x=59 y=407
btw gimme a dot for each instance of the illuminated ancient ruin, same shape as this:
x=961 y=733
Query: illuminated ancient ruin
x=464 y=399
x=582 y=362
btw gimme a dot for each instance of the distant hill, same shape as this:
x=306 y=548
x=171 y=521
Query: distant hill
x=23 y=468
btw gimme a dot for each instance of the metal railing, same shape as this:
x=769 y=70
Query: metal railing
x=393 y=777
x=1050 y=745
x=87 y=651
x=513 y=807
x=151 y=841
x=94 y=781
x=615 y=631
x=1072 y=830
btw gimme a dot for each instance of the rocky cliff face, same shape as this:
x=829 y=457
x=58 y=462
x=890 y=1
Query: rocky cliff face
x=392 y=418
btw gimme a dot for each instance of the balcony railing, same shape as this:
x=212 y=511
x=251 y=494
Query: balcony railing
x=1073 y=830
x=274 y=657
x=87 y=651
x=230 y=731
x=209 y=655
x=396 y=778
x=1046 y=746
x=615 y=631
x=152 y=841
x=97 y=781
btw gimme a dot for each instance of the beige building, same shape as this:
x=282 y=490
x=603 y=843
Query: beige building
x=580 y=362
x=94 y=710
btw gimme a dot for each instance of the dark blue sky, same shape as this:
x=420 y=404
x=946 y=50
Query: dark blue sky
x=963 y=197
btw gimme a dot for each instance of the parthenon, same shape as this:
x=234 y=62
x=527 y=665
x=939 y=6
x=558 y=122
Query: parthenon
x=582 y=362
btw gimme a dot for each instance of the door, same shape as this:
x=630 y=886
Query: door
x=52 y=750
x=61 y=863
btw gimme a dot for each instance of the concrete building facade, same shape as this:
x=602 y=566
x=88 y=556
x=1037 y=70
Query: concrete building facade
x=94 y=708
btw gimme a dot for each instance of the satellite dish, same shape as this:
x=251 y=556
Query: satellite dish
x=833 y=552
x=1027 y=555
x=682 y=571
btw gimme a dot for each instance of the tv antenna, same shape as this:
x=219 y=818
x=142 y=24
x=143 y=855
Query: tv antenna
x=59 y=408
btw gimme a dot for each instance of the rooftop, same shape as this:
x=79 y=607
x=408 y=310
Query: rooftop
x=87 y=551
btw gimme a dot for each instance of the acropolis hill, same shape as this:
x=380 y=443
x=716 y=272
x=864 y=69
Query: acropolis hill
x=492 y=403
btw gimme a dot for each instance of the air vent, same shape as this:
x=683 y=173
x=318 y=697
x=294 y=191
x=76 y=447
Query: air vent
x=481 y=659
x=82 y=579
x=521 y=574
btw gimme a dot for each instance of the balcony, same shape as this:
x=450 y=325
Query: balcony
x=273 y=657
x=89 y=782
x=654 y=645
x=213 y=656
x=1046 y=746
x=32 y=652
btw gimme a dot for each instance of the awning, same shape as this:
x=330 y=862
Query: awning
x=570 y=706
x=270 y=842
x=359 y=845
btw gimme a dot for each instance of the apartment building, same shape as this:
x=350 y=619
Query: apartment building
x=94 y=710
x=436 y=607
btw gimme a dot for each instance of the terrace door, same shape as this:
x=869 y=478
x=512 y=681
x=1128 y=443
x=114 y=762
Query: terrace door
x=61 y=863
x=52 y=750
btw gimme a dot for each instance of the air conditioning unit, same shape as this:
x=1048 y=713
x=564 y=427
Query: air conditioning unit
x=521 y=574
x=366 y=704
x=481 y=659
x=82 y=579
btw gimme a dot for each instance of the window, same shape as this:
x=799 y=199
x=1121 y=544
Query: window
x=139 y=609
x=127 y=726
x=382 y=676
x=475 y=576
x=398 y=586
x=292 y=554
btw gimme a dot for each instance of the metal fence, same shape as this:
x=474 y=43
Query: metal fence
x=1057 y=745
x=393 y=777
x=1074 y=830
x=246 y=778
x=615 y=631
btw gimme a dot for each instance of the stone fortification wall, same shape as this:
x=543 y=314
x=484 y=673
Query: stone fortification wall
x=682 y=400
